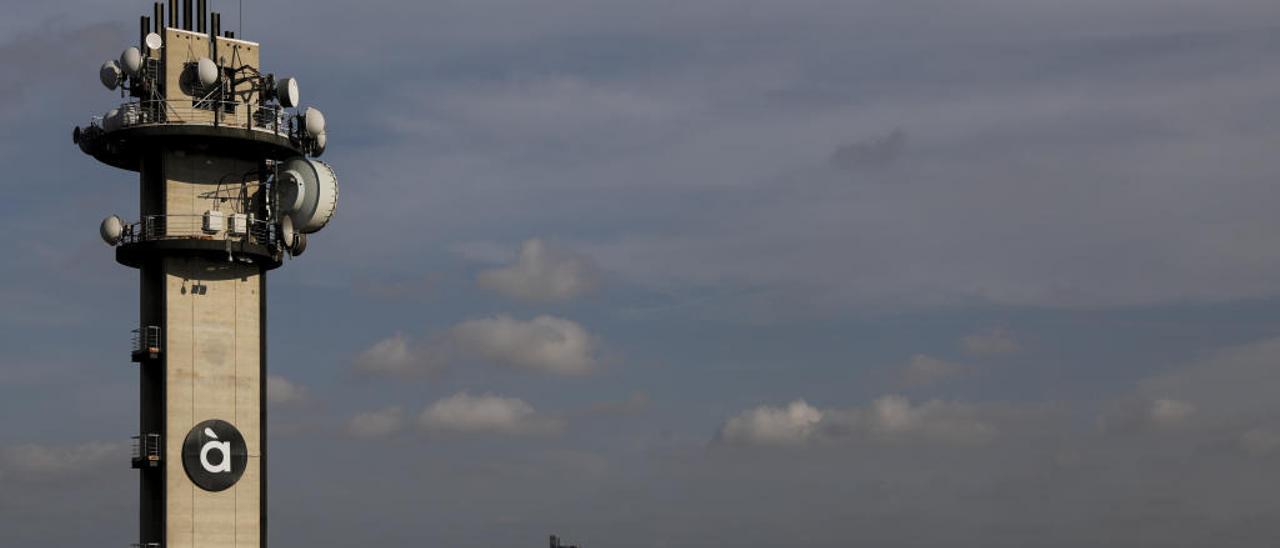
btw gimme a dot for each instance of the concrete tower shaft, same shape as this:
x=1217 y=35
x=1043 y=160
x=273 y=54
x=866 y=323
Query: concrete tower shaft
x=214 y=142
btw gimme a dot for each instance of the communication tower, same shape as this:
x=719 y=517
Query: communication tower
x=228 y=187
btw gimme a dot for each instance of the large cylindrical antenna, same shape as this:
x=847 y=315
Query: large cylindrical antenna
x=159 y=18
x=215 y=24
x=186 y=15
x=144 y=26
x=202 y=17
x=173 y=14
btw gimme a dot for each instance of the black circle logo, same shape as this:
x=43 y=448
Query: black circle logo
x=214 y=455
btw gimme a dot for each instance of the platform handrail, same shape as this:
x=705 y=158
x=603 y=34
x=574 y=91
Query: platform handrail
x=159 y=112
x=192 y=227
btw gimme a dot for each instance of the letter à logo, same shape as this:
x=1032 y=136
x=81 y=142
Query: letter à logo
x=223 y=448
x=214 y=455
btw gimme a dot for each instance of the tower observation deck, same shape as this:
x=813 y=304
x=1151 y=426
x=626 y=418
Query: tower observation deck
x=229 y=186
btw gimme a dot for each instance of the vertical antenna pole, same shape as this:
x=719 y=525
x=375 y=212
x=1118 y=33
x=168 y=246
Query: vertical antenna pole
x=186 y=15
x=159 y=18
x=202 y=17
x=173 y=14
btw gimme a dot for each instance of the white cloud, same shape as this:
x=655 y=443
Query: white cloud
x=545 y=343
x=922 y=370
x=894 y=419
x=37 y=462
x=464 y=413
x=993 y=342
x=542 y=273
x=398 y=355
x=764 y=425
x=887 y=420
x=282 y=392
x=376 y=424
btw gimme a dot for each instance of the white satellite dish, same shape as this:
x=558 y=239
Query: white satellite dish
x=313 y=121
x=287 y=92
x=207 y=72
x=131 y=61
x=112 y=229
x=321 y=140
x=153 y=41
x=287 y=233
x=299 y=245
x=319 y=193
x=110 y=74
x=111 y=120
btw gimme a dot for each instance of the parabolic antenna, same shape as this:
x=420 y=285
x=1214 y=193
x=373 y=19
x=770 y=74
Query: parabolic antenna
x=319 y=196
x=207 y=72
x=287 y=92
x=110 y=74
x=313 y=121
x=153 y=41
x=111 y=120
x=321 y=140
x=131 y=61
x=287 y=233
x=111 y=230
x=299 y=245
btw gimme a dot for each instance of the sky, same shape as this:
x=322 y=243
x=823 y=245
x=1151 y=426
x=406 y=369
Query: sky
x=703 y=273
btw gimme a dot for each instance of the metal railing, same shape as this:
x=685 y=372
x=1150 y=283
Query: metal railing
x=146 y=339
x=193 y=227
x=266 y=118
x=147 y=448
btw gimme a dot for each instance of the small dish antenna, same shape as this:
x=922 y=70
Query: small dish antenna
x=287 y=233
x=154 y=41
x=313 y=121
x=299 y=245
x=111 y=120
x=321 y=140
x=110 y=74
x=287 y=92
x=111 y=230
x=131 y=61
x=207 y=72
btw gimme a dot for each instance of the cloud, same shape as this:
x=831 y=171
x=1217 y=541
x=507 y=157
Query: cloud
x=923 y=370
x=486 y=414
x=765 y=425
x=376 y=424
x=993 y=342
x=284 y=393
x=399 y=356
x=542 y=273
x=893 y=419
x=35 y=462
x=888 y=420
x=545 y=343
